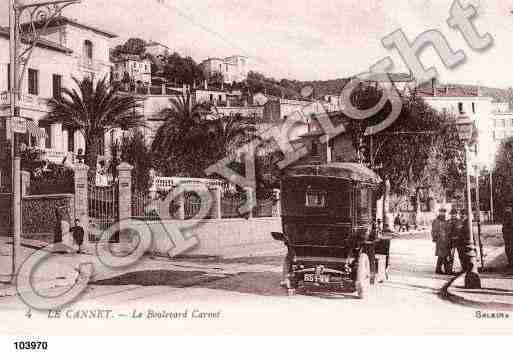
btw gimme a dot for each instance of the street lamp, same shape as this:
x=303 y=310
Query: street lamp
x=22 y=41
x=465 y=128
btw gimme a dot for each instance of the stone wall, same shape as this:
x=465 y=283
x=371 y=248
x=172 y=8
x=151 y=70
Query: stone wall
x=219 y=237
x=39 y=218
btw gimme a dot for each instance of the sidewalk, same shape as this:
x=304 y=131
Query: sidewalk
x=496 y=291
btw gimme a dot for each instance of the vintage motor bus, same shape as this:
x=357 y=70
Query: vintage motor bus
x=329 y=228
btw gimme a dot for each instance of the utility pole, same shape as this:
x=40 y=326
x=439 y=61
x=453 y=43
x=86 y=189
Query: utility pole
x=478 y=213
x=491 y=197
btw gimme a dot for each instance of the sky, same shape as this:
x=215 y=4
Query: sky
x=306 y=39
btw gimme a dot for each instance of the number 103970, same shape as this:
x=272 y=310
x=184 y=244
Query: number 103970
x=30 y=345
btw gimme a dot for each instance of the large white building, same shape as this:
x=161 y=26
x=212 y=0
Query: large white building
x=67 y=49
x=460 y=100
x=132 y=68
x=233 y=69
x=502 y=122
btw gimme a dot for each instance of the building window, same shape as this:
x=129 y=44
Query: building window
x=48 y=139
x=211 y=98
x=33 y=85
x=71 y=139
x=88 y=49
x=460 y=108
x=315 y=199
x=473 y=107
x=57 y=86
x=220 y=98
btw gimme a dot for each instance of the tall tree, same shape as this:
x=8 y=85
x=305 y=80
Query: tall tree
x=182 y=70
x=503 y=177
x=133 y=46
x=421 y=149
x=194 y=137
x=227 y=133
x=179 y=145
x=94 y=109
x=134 y=150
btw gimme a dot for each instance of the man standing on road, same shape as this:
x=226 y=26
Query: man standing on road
x=443 y=246
x=507 y=234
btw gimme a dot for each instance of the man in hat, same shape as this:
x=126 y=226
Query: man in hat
x=443 y=247
x=507 y=234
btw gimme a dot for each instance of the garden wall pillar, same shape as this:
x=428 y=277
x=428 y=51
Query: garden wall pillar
x=250 y=201
x=125 y=190
x=215 y=192
x=179 y=198
x=81 y=200
x=125 y=197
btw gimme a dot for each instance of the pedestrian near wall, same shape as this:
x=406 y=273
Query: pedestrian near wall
x=78 y=235
x=443 y=245
x=507 y=234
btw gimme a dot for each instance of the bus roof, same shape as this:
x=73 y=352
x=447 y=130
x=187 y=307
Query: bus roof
x=343 y=170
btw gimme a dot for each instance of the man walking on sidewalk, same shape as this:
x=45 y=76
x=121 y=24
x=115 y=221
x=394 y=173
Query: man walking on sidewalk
x=443 y=246
x=507 y=234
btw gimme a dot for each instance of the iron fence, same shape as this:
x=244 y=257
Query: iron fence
x=103 y=208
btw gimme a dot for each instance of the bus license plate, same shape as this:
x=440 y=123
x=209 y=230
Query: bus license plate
x=323 y=278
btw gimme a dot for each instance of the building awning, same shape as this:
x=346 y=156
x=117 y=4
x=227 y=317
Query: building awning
x=34 y=131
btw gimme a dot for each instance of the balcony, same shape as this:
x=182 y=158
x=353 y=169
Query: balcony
x=56 y=156
x=26 y=101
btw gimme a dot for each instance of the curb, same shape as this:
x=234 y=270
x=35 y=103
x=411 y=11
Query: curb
x=446 y=293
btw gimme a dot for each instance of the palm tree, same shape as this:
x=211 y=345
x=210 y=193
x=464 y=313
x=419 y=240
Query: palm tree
x=95 y=110
x=193 y=137
x=182 y=126
x=227 y=133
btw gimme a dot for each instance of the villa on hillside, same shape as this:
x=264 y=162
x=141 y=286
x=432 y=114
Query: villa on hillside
x=232 y=69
